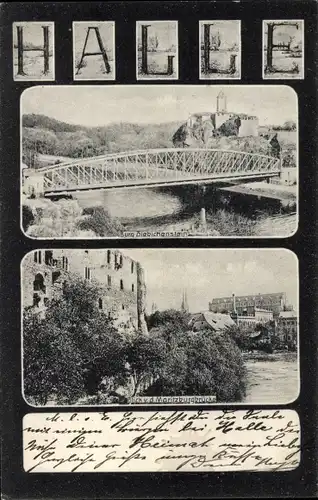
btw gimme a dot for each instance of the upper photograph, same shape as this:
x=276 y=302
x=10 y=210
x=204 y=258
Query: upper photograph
x=159 y=161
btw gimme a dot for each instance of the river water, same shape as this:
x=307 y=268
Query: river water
x=175 y=207
x=275 y=381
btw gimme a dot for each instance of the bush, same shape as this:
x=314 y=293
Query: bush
x=99 y=221
x=27 y=217
x=231 y=224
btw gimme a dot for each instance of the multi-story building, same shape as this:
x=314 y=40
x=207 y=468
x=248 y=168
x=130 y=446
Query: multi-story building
x=287 y=327
x=246 y=305
x=259 y=316
x=120 y=278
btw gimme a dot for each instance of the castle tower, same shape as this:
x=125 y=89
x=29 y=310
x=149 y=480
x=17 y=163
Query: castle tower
x=221 y=103
x=184 y=303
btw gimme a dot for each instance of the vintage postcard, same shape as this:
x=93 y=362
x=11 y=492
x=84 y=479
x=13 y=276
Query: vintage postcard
x=188 y=326
x=94 y=50
x=158 y=249
x=220 y=50
x=159 y=161
x=157 y=50
x=33 y=51
x=283 y=49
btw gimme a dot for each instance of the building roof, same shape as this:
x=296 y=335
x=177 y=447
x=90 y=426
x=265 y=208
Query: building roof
x=251 y=296
x=217 y=321
x=258 y=309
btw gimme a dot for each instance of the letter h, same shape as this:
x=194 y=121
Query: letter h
x=22 y=49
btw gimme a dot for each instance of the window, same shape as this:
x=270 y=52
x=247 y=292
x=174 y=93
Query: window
x=108 y=256
x=121 y=261
x=123 y=307
x=100 y=303
x=132 y=267
x=115 y=263
x=37 y=257
x=48 y=256
x=65 y=263
x=38 y=283
x=109 y=280
x=121 y=284
x=55 y=276
x=132 y=287
x=87 y=273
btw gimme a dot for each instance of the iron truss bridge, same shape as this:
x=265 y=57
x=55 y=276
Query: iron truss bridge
x=157 y=167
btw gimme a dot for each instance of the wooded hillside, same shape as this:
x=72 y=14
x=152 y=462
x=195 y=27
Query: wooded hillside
x=45 y=135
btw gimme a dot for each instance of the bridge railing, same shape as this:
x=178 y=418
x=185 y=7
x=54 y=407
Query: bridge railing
x=158 y=164
x=124 y=154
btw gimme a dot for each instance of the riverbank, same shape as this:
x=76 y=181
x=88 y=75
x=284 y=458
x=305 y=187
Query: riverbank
x=276 y=356
x=162 y=213
x=266 y=190
x=43 y=218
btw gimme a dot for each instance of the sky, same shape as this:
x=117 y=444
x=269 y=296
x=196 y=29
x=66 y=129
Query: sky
x=165 y=31
x=106 y=30
x=284 y=33
x=33 y=33
x=101 y=105
x=229 y=31
x=207 y=274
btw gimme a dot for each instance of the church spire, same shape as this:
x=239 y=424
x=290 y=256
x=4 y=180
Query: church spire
x=184 y=303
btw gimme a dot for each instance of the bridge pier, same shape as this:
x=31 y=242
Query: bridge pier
x=202 y=211
x=203 y=217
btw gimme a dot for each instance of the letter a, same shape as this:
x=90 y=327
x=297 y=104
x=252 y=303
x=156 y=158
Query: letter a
x=101 y=52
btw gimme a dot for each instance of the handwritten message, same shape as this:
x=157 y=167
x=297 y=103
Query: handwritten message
x=226 y=440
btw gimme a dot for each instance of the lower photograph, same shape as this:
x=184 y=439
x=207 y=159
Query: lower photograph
x=139 y=326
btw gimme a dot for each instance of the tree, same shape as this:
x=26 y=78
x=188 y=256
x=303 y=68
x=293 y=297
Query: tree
x=73 y=349
x=202 y=364
x=27 y=217
x=145 y=357
x=50 y=363
x=289 y=125
x=179 y=319
x=195 y=364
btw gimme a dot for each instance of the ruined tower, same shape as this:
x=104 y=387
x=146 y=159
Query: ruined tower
x=221 y=103
x=141 y=300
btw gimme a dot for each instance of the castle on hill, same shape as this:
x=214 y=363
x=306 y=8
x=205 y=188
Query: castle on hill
x=245 y=124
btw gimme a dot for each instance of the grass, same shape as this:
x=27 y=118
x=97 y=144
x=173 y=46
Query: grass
x=231 y=224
